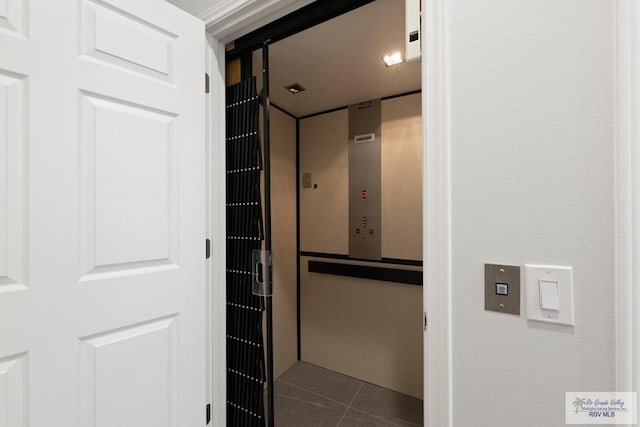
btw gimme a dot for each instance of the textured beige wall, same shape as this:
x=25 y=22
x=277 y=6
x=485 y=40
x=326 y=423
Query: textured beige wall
x=363 y=328
x=283 y=201
x=402 y=177
x=324 y=217
x=366 y=329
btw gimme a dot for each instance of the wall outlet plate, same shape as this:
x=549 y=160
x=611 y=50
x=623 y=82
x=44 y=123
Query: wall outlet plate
x=502 y=288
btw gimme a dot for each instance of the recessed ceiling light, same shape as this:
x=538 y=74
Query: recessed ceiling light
x=295 y=88
x=393 y=59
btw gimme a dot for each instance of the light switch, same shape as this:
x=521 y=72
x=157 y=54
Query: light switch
x=549 y=295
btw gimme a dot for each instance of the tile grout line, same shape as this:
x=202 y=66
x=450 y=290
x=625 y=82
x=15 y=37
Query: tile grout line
x=350 y=403
x=313 y=392
x=383 y=419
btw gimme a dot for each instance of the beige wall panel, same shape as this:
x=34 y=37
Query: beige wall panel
x=324 y=220
x=402 y=177
x=283 y=226
x=366 y=329
x=363 y=328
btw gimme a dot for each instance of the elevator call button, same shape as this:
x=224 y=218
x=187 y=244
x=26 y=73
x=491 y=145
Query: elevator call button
x=502 y=288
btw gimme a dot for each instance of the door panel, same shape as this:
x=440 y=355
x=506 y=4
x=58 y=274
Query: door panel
x=114 y=36
x=13 y=16
x=130 y=373
x=118 y=140
x=13 y=387
x=102 y=286
x=12 y=183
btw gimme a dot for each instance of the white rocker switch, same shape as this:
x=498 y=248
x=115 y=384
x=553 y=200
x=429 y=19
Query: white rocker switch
x=549 y=295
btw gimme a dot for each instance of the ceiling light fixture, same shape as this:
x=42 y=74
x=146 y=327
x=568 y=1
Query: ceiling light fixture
x=393 y=59
x=295 y=88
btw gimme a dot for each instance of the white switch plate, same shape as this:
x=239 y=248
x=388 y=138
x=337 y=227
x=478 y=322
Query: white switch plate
x=564 y=276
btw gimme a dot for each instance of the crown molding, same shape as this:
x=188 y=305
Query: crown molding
x=229 y=19
x=223 y=9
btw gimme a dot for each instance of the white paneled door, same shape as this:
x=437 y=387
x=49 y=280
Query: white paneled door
x=102 y=286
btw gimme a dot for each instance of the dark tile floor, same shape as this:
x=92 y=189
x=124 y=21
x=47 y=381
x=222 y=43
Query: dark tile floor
x=309 y=396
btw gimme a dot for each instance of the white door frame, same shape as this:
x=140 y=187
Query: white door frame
x=628 y=196
x=436 y=211
x=216 y=230
x=227 y=21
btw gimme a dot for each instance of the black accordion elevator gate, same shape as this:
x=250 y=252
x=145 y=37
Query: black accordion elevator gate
x=245 y=232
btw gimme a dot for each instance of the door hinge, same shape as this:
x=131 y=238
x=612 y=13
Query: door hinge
x=208 y=413
x=425 y=320
x=206 y=82
x=207 y=249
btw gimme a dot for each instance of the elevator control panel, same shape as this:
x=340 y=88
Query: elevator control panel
x=365 y=180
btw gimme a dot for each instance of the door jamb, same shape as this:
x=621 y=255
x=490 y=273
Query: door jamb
x=436 y=212
x=627 y=196
x=216 y=229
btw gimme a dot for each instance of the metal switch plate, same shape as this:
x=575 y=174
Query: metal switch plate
x=502 y=288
